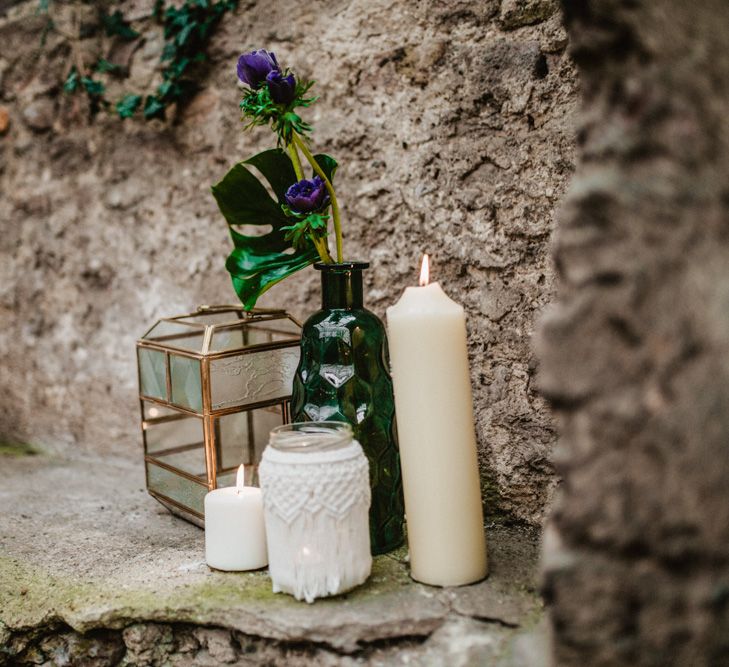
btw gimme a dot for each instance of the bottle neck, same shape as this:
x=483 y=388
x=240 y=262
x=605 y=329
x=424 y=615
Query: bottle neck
x=341 y=287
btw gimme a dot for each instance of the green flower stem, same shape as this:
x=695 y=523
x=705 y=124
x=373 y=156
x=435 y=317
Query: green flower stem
x=335 y=205
x=296 y=161
x=321 y=247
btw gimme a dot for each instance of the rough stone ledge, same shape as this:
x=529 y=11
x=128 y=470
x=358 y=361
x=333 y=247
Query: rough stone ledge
x=90 y=565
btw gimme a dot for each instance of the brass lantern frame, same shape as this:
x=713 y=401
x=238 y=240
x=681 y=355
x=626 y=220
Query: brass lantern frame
x=264 y=320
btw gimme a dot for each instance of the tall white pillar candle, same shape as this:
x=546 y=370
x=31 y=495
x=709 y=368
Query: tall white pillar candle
x=434 y=407
x=235 y=535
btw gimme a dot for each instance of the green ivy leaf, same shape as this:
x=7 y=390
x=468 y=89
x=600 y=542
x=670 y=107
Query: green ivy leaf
x=168 y=52
x=187 y=26
x=184 y=34
x=93 y=87
x=177 y=68
x=104 y=66
x=127 y=106
x=153 y=107
x=116 y=25
x=72 y=81
x=165 y=88
x=259 y=262
x=95 y=92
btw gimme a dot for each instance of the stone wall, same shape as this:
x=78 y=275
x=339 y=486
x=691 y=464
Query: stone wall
x=634 y=353
x=452 y=122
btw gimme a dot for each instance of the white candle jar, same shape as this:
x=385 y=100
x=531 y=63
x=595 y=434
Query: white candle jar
x=316 y=498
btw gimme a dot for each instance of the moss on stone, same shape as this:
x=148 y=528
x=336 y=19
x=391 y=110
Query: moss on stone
x=222 y=590
x=18 y=449
x=29 y=595
x=234 y=589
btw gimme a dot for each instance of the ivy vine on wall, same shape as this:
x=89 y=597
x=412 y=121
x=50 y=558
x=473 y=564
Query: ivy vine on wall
x=187 y=26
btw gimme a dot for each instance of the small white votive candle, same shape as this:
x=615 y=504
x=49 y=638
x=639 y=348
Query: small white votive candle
x=235 y=534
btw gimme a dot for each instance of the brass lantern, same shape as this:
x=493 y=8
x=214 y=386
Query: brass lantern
x=212 y=385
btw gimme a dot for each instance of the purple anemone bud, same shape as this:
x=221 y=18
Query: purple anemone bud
x=282 y=88
x=254 y=67
x=307 y=196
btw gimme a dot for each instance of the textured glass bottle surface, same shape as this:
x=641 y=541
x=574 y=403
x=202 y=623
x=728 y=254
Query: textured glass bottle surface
x=343 y=376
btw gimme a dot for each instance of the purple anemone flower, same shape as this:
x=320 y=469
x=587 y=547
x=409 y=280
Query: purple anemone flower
x=254 y=67
x=307 y=196
x=282 y=88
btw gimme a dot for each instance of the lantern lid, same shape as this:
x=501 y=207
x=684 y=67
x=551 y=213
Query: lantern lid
x=216 y=329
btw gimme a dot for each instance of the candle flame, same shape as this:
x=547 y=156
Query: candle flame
x=240 y=479
x=425 y=272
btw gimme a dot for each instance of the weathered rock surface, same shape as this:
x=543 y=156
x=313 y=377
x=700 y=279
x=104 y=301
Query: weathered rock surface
x=95 y=572
x=454 y=137
x=518 y=13
x=634 y=352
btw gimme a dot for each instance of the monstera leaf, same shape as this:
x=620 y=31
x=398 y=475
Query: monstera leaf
x=259 y=262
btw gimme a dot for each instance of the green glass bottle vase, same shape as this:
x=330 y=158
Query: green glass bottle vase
x=343 y=375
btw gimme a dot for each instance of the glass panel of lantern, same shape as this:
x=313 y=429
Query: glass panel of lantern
x=212 y=385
